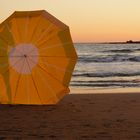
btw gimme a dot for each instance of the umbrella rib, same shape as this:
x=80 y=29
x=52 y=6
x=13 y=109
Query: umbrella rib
x=18 y=30
x=7 y=26
x=27 y=90
x=49 y=87
x=56 y=67
x=36 y=88
x=7 y=43
x=58 y=56
x=34 y=81
x=4 y=73
x=26 y=27
x=17 y=85
x=45 y=32
x=39 y=44
x=34 y=30
x=52 y=36
x=52 y=56
x=54 y=46
x=46 y=71
x=11 y=67
x=19 y=77
x=12 y=55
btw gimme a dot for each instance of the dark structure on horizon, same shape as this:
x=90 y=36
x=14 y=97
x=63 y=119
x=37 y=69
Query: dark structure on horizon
x=131 y=41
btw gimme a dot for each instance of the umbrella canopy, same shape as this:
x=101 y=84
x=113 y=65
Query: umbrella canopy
x=37 y=58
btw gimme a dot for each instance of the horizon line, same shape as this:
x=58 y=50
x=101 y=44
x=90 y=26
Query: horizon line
x=105 y=42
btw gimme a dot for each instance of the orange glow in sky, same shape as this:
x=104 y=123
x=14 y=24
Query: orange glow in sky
x=89 y=20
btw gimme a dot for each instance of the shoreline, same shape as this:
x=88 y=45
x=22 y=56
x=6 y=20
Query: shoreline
x=104 y=91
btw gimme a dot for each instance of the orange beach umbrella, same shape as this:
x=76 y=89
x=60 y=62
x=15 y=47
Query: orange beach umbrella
x=37 y=58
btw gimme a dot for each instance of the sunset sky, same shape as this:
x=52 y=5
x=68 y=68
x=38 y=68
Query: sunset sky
x=89 y=20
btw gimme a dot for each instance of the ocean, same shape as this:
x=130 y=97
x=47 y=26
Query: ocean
x=106 y=66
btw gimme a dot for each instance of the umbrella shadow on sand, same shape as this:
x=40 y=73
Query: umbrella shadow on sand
x=6 y=41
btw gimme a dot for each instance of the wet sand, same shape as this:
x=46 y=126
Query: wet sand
x=76 y=117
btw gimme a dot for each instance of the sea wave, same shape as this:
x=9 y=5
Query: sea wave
x=105 y=83
x=106 y=74
x=122 y=50
x=109 y=58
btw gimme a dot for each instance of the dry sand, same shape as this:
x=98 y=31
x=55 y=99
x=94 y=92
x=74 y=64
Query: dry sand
x=76 y=117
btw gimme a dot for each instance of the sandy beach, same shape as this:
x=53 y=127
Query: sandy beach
x=76 y=117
